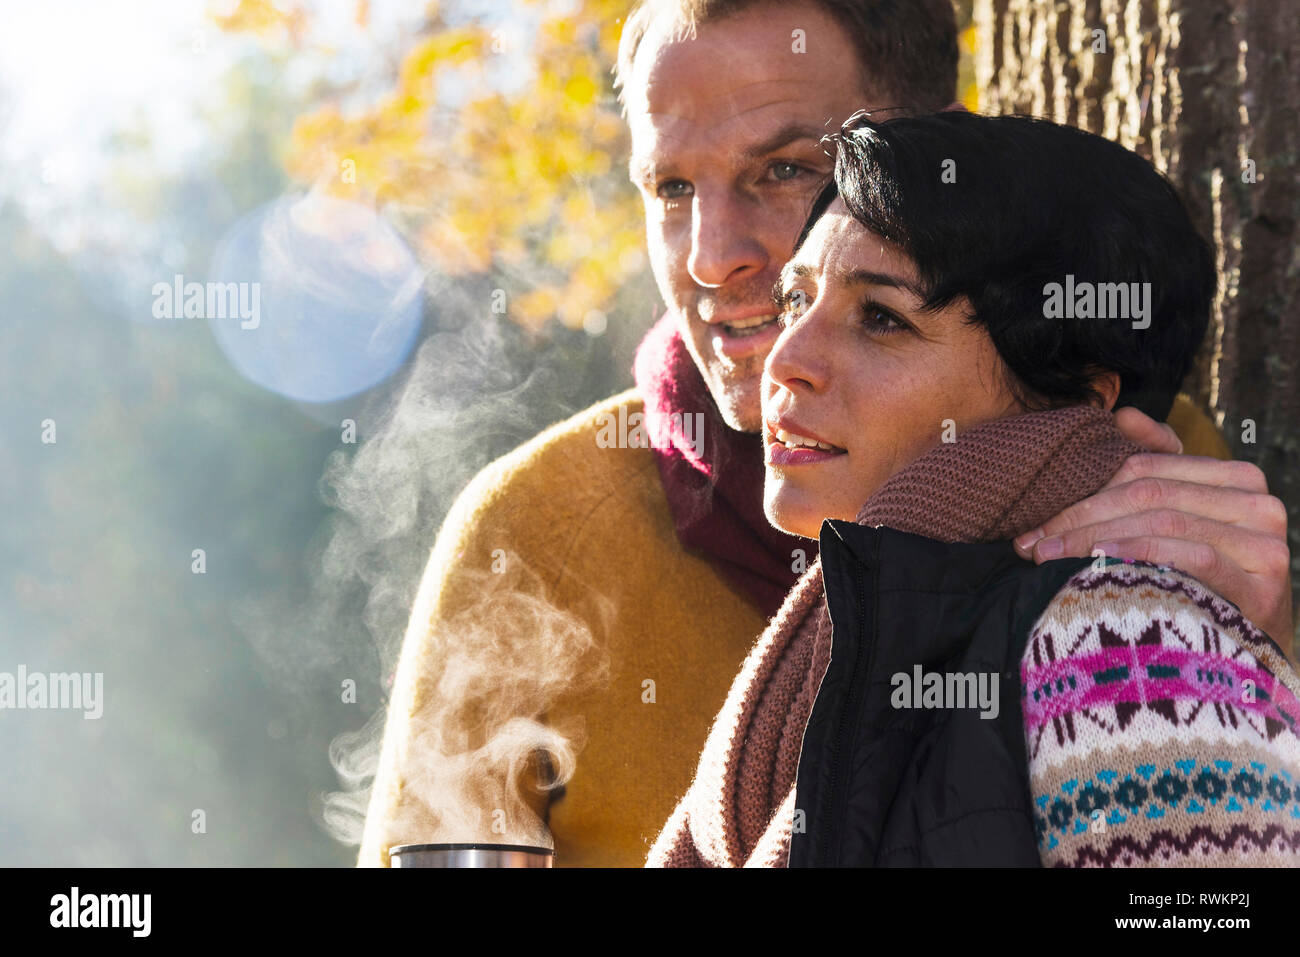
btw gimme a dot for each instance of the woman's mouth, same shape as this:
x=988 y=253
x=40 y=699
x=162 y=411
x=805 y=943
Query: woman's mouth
x=789 y=448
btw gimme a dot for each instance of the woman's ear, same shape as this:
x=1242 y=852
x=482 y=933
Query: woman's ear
x=1106 y=385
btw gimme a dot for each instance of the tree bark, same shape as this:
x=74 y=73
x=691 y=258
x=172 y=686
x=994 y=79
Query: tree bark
x=1208 y=90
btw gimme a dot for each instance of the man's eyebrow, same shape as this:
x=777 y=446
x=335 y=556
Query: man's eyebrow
x=790 y=133
x=642 y=169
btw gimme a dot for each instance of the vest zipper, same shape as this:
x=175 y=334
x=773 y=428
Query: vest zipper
x=848 y=720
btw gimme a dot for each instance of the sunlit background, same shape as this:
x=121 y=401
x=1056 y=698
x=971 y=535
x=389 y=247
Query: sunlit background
x=423 y=214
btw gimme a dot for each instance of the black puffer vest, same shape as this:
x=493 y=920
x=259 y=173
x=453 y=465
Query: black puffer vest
x=887 y=786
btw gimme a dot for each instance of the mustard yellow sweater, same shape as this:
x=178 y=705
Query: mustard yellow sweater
x=591 y=521
x=582 y=516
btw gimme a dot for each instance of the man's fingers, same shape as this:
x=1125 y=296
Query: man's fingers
x=1147 y=432
x=1266 y=608
x=1155 y=506
x=1249 y=568
x=1200 y=561
x=1192 y=468
x=1168 y=525
x=1196 y=559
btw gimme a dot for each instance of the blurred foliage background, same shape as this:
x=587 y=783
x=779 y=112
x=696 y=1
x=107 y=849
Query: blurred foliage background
x=488 y=135
x=500 y=146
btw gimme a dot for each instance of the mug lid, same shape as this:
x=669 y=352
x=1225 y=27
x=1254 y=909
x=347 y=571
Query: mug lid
x=518 y=848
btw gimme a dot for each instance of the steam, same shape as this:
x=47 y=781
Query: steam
x=481 y=749
x=484 y=739
x=476 y=757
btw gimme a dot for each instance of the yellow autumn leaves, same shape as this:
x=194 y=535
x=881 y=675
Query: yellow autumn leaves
x=498 y=150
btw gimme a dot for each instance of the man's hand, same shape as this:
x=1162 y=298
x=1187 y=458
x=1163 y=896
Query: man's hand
x=1212 y=520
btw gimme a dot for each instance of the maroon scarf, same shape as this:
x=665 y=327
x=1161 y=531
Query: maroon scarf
x=716 y=497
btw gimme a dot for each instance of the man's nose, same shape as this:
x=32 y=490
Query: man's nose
x=724 y=244
x=799 y=360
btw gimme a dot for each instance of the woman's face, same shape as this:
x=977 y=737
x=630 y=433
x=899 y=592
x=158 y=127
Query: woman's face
x=858 y=367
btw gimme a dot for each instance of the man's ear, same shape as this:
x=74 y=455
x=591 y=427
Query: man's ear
x=955 y=105
x=1107 y=386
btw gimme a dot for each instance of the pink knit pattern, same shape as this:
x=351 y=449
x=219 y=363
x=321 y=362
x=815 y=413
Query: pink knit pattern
x=1076 y=676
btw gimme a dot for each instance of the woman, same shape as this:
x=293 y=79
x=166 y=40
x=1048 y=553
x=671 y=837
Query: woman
x=967 y=302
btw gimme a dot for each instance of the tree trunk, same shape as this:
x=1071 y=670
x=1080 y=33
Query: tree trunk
x=1208 y=90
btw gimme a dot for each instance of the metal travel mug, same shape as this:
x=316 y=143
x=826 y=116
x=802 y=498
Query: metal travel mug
x=470 y=855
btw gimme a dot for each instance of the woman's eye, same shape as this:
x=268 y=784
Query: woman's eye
x=674 y=189
x=879 y=319
x=792 y=305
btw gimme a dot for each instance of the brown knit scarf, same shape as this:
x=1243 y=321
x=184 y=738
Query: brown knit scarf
x=996 y=481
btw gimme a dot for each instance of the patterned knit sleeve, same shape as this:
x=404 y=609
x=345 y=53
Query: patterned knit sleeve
x=1160 y=727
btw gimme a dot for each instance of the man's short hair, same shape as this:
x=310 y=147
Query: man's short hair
x=907 y=49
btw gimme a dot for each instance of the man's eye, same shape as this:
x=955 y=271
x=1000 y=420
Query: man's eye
x=785 y=171
x=673 y=189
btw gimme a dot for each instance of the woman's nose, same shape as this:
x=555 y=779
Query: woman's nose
x=798 y=360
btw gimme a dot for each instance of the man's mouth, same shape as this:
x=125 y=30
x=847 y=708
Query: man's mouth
x=743 y=328
x=740 y=340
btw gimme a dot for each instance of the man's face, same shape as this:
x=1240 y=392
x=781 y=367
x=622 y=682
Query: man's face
x=726 y=152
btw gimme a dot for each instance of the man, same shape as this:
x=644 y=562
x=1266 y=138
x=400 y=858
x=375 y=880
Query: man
x=635 y=542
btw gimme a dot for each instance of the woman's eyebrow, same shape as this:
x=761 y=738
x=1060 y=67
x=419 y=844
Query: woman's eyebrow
x=792 y=271
x=867 y=277
x=852 y=277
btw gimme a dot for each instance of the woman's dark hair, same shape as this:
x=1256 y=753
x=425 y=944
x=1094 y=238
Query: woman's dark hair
x=1002 y=210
